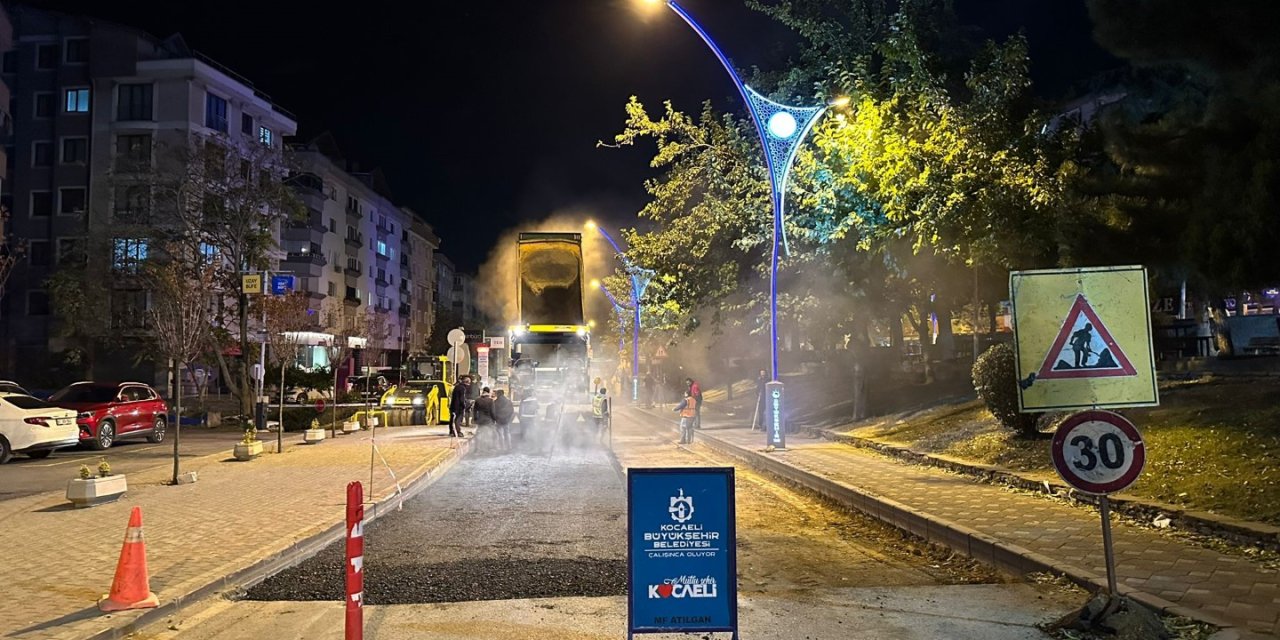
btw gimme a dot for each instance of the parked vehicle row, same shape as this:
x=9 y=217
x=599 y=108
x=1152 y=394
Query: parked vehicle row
x=96 y=414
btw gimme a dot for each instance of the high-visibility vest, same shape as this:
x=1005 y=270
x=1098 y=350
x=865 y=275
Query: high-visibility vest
x=690 y=408
x=597 y=405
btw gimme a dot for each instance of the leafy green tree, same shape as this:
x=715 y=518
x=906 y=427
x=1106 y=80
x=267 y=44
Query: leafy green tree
x=1189 y=164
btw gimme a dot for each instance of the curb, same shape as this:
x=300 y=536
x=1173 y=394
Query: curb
x=1007 y=557
x=418 y=480
x=979 y=546
x=1230 y=530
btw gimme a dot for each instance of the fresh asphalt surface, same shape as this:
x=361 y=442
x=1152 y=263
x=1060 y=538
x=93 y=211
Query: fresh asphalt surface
x=23 y=476
x=537 y=522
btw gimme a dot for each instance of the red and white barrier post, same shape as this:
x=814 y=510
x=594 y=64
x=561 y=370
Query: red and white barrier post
x=355 y=561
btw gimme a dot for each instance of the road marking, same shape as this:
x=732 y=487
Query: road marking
x=92 y=455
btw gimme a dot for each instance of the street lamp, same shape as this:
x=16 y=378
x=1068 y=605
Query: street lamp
x=639 y=278
x=781 y=129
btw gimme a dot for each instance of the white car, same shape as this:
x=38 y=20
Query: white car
x=34 y=427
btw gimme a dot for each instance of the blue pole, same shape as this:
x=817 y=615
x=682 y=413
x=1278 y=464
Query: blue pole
x=774 y=187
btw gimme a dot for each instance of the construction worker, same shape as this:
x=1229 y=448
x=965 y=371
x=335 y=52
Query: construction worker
x=688 y=409
x=600 y=410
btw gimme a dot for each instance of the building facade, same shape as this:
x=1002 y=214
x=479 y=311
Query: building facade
x=357 y=246
x=96 y=102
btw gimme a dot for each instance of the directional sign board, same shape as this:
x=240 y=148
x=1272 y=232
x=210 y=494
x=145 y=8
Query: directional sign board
x=1098 y=452
x=1083 y=338
x=681 y=551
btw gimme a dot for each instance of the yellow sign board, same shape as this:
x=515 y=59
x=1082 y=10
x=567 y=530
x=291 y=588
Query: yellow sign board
x=251 y=283
x=1083 y=338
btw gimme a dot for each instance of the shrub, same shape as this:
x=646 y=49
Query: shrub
x=995 y=378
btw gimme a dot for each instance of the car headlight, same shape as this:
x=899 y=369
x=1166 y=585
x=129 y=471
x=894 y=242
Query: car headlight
x=83 y=415
x=419 y=401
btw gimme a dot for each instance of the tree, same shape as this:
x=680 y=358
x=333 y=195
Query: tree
x=345 y=324
x=284 y=316
x=1189 y=154
x=182 y=288
x=233 y=198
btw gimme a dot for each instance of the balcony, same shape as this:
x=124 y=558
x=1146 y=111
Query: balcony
x=352 y=300
x=305 y=257
x=384 y=226
x=351 y=271
x=382 y=257
x=355 y=241
x=405 y=310
x=355 y=211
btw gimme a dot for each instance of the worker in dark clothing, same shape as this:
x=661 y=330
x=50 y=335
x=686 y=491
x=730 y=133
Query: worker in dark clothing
x=458 y=406
x=503 y=412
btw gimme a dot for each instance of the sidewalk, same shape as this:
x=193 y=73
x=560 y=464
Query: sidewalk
x=957 y=511
x=59 y=561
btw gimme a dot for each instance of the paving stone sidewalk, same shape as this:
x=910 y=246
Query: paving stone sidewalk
x=59 y=561
x=1230 y=588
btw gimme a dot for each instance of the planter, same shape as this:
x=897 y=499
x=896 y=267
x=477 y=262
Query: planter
x=95 y=491
x=313 y=436
x=248 y=451
x=350 y=426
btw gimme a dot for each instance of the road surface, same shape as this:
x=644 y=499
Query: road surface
x=24 y=476
x=531 y=544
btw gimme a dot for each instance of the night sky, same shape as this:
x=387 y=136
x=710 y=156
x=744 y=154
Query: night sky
x=485 y=114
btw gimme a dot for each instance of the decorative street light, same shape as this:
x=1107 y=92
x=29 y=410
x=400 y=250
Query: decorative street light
x=781 y=129
x=639 y=278
x=618 y=308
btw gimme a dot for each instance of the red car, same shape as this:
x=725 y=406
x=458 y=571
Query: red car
x=107 y=411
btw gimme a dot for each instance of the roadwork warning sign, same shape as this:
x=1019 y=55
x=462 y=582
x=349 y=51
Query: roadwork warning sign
x=1083 y=338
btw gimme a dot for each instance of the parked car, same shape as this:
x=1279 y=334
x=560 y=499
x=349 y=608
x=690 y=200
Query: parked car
x=8 y=386
x=299 y=395
x=431 y=397
x=111 y=411
x=34 y=427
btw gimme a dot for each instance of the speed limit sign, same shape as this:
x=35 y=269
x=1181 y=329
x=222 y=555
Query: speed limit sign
x=1098 y=452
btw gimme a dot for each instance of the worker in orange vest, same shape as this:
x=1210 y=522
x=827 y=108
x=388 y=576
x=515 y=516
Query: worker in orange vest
x=688 y=409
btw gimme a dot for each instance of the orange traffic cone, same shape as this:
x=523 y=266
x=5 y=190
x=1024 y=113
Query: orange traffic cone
x=131 y=588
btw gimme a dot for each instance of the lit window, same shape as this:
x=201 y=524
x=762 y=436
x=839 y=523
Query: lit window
x=129 y=254
x=382 y=248
x=77 y=101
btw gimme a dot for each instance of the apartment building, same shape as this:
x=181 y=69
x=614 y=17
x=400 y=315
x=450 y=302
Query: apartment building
x=358 y=246
x=424 y=243
x=90 y=97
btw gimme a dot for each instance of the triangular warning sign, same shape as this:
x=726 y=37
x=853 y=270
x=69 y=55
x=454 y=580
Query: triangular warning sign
x=1084 y=348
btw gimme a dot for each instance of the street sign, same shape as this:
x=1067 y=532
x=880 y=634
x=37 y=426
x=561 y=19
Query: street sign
x=282 y=284
x=482 y=362
x=320 y=405
x=251 y=283
x=1098 y=452
x=1083 y=338
x=497 y=342
x=456 y=337
x=681 y=551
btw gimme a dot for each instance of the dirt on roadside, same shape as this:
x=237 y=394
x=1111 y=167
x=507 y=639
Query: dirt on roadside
x=792 y=541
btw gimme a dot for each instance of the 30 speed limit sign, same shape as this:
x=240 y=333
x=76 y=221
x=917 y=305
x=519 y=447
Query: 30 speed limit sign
x=1098 y=452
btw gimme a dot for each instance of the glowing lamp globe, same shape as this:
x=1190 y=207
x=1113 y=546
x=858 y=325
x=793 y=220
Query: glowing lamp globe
x=782 y=125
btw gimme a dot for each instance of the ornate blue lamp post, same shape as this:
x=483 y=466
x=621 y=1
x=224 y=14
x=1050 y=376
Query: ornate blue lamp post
x=781 y=128
x=639 y=278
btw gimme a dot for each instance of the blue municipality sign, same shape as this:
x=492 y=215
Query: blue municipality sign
x=774 y=419
x=281 y=285
x=682 y=571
